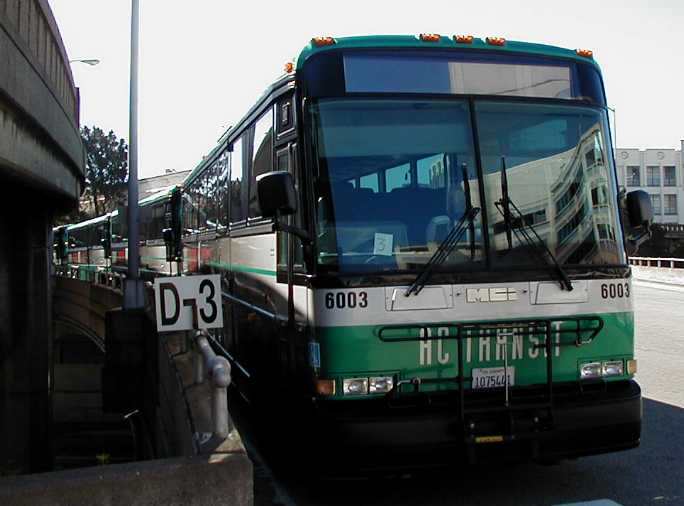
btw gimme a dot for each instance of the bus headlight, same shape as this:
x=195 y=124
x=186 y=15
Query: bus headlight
x=613 y=368
x=355 y=386
x=591 y=370
x=602 y=369
x=381 y=384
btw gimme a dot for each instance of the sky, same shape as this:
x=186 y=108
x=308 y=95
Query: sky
x=203 y=63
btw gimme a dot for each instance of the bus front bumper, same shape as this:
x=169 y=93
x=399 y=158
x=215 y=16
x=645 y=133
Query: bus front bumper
x=580 y=424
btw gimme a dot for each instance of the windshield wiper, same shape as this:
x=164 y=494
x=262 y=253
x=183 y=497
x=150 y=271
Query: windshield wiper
x=447 y=162
x=443 y=250
x=471 y=224
x=505 y=204
x=539 y=246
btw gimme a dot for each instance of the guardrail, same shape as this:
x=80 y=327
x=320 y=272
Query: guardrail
x=671 y=263
x=671 y=227
x=108 y=278
x=217 y=369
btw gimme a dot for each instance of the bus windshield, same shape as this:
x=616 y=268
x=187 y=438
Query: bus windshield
x=395 y=176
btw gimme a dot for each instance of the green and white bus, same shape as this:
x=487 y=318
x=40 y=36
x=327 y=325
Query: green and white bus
x=422 y=249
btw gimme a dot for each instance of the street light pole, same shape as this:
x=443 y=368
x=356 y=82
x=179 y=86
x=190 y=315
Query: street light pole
x=133 y=288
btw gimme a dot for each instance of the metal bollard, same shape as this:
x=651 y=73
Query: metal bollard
x=220 y=380
x=199 y=368
x=207 y=363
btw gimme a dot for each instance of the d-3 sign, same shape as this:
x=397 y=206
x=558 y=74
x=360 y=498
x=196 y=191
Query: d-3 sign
x=188 y=302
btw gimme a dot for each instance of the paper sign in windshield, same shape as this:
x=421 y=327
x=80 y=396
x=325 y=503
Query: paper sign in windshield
x=383 y=244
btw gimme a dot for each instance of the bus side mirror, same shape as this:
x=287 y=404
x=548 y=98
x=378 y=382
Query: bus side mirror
x=639 y=210
x=276 y=193
x=277 y=197
x=62 y=246
x=640 y=216
x=167 y=234
x=106 y=246
x=174 y=248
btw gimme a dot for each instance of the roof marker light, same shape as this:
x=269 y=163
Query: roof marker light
x=429 y=37
x=463 y=39
x=323 y=41
x=289 y=67
x=587 y=53
x=496 y=41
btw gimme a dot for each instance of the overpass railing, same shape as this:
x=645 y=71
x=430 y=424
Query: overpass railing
x=671 y=263
x=114 y=280
x=672 y=227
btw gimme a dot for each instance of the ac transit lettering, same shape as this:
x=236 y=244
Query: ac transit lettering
x=426 y=347
x=483 y=349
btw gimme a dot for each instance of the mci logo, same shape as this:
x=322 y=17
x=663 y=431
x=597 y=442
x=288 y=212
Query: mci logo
x=491 y=294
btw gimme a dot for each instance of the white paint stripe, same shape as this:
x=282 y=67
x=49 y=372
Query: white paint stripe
x=521 y=307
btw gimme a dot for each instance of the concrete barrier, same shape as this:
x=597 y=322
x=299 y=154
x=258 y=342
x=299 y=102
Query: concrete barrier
x=175 y=419
x=222 y=477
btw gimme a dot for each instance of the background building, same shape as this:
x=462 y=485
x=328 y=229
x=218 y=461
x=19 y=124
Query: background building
x=151 y=185
x=146 y=187
x=659 y=173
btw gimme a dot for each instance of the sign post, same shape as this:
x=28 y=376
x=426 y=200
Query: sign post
x=134 y=297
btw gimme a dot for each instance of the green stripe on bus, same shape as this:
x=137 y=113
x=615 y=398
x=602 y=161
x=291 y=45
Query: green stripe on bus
x=358 y=349
x=242 y=268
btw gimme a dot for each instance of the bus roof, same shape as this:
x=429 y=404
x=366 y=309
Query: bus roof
x=230 y=133
x=152 y=199
x=157 y=197
x=87 y=223
x=385 y=42
x=444 y=42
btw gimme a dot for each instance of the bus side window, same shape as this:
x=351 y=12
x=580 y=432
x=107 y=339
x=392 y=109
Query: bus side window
x=188 y=212
x=371 y=181
x=200 y=200
x=211 y=201
x=222 y=193
x=263 y=158
x=238 y=186
x=285 y=116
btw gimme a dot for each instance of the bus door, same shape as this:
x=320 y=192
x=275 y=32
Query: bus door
x=290 y=274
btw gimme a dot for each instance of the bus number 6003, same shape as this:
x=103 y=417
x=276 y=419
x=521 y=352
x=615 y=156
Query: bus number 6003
x=614 y=291
x=342 y=300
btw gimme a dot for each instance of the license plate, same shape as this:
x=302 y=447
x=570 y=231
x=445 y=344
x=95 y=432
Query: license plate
x=493 y=377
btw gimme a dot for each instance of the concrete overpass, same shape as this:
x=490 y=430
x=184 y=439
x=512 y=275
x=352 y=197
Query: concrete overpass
x=41 y=174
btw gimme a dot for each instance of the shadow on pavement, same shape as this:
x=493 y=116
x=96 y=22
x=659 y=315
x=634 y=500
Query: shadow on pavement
x=650 y=474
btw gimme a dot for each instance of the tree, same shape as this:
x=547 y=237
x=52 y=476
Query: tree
x=106 y=168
